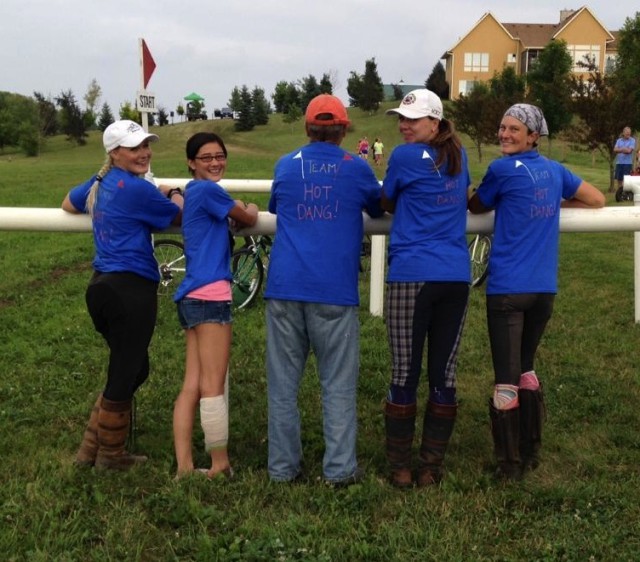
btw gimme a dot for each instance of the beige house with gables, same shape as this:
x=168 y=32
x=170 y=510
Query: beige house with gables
x=491 y=45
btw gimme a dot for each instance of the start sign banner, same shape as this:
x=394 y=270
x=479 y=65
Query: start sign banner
x=146 y=102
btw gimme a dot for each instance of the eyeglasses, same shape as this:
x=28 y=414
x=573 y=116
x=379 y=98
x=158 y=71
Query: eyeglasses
x=208 y=158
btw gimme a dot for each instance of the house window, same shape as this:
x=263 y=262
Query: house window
x=583 y=54
x=465 y=86
x=476 y=62
x=511 y=57
x=610 y=62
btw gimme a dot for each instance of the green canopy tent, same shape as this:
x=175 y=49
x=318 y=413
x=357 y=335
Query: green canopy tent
x=194 y=97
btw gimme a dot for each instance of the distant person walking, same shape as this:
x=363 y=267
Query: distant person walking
x=204 y=303
x=122 y=294
x=624 y=148
x=378 y=151
x=527 y=191
x=428 y=282
x=319 y=193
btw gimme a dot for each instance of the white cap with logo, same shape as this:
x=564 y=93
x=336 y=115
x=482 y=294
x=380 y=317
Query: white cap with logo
x=419 y=103
x=125 y=133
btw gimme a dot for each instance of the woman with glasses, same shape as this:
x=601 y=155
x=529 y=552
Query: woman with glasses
x=204 y=303
x=122 y=294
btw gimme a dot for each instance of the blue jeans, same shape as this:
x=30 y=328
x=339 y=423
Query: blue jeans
x=333 y=333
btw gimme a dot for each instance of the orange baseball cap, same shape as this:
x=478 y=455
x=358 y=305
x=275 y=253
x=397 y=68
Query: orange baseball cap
x=328 y=105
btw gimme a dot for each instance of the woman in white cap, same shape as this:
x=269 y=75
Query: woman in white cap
x=122 y=294
x=526 y=190
x=428 y=282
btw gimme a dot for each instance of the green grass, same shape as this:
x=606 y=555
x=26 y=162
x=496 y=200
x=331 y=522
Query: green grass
x=582 y=503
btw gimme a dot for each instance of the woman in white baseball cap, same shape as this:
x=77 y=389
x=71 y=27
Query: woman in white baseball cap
x=122 y=294
x=428 y=282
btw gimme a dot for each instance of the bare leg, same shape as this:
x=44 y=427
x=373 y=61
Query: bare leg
x=214 y=345
x=185 y=407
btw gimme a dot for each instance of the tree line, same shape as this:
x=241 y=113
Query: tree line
x=588 y=109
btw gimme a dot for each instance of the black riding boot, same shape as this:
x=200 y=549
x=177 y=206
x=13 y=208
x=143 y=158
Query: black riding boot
x=400 y=421
x=532 y=413
x=439 y=420
x=505 y=428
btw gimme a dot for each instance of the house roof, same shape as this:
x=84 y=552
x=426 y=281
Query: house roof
x=537 y=35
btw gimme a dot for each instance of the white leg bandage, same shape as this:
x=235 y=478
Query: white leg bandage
x=214 y=418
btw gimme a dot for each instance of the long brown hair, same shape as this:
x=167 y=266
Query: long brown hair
x=449 y=147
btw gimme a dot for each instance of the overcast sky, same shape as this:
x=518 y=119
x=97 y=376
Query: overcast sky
x=210 y=47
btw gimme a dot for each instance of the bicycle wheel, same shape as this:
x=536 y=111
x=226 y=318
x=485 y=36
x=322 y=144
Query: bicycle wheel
x=171 y=264
x=479 y=250
x=248 y=272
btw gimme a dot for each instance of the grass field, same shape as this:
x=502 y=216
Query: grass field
x=582 y=504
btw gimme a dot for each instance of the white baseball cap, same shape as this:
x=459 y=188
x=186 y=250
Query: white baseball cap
x=125 y=133
x=419 y=103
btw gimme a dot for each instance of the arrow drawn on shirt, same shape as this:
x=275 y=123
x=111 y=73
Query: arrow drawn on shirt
x=427 y=156
x=299 y=157
x=518 y=164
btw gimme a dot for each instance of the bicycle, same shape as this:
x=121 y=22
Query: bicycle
x=479 y=250
x=248 y=267
x=171 y=264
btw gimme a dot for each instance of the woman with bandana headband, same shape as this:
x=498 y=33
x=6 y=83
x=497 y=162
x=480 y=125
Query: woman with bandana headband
x=526 y=190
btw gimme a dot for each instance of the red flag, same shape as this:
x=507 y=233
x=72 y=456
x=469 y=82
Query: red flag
x=148 y=64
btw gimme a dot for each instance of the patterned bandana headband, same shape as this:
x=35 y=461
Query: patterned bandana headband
x=530 y=115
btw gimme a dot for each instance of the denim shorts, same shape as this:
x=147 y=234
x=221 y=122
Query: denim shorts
x=192 y=312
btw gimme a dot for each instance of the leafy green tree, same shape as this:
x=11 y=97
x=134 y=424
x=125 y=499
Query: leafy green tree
x=326 y=86
x=47 y=115
x=279 y=96
x=260 y=106
x=292 y=115
x=235 y=101
x=180 y=111
x=437 y=81
x=366 y=91
x=245 y=118
x=603 y=111
x=473 y=115
x=549 y=83
x=19 y=123
x=91 y=99
x=355 y=87
x=479 y=112
x=310 y=89
x=627 y=69
x=194 y=110
x=106 y=117
x=72 y=119
x=163 y=117
x=128 y=111
x=398 y=93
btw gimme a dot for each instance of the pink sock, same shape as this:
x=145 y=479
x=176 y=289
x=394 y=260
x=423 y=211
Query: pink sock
x=529 y=381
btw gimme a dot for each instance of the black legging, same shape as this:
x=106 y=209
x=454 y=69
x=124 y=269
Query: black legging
x=123 y=307
x=516 y=324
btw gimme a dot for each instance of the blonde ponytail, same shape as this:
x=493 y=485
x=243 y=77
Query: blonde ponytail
x=93 y=192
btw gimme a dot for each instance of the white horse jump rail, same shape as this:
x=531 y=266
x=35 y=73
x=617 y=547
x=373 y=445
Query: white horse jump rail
x=608 y=219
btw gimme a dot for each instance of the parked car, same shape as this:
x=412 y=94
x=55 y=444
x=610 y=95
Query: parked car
x=226 y=113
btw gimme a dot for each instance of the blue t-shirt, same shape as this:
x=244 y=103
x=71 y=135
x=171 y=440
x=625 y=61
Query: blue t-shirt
x=318 y=194
x=526 y=190
x=428 y=234
x=205 y=230
x=127 y=210
x=621 y=157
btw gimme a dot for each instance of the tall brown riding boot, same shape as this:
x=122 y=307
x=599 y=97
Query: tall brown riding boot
x=439 y=420
x=114 y=419
x=505 y=428
x=400 y=422
x=86 y=455
x=532 y=413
